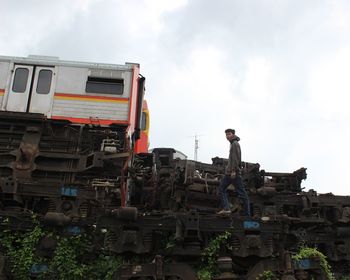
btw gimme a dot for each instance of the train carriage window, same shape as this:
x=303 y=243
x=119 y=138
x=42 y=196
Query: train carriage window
x=44 y=82
x=20 y=80
x=143 y=121
x=104 y=85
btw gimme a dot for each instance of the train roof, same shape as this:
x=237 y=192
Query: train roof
x=54 y=60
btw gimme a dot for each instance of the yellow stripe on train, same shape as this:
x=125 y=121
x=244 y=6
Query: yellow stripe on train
x=91 y=99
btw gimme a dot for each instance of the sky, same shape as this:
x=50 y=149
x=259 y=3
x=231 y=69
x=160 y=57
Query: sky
x=275 y=71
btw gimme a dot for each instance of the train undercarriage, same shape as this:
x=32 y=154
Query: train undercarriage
x=74 y=178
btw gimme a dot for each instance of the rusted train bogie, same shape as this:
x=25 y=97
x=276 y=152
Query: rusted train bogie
x=50 y=166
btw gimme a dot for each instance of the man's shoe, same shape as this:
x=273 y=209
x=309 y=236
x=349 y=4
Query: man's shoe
x=236 y=208
x=224 y=212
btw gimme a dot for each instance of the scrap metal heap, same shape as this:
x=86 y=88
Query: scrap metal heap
x=284 y=217
x=72 y=177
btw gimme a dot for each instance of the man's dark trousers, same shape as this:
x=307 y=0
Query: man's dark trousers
x=239 y=187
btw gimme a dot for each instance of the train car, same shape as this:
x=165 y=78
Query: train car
x=86 y=93
x=68 y=133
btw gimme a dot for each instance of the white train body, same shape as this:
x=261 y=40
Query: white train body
x=75 y=91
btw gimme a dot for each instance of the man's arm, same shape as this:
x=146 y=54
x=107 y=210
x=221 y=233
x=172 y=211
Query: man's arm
x=236 y=156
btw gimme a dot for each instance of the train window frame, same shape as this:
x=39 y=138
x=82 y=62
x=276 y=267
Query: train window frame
x=19 y=85
x=101 y=85
x=43 y=85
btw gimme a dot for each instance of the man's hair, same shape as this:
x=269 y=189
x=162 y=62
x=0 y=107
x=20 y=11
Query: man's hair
x=230 y=130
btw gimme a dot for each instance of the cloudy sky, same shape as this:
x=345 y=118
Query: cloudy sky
x=275 y=70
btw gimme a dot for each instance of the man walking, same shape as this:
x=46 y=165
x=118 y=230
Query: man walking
x=233 y=176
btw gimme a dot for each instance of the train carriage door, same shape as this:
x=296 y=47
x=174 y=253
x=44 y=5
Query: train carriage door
x=43 y=90
x=19 y=91
x=31 y=89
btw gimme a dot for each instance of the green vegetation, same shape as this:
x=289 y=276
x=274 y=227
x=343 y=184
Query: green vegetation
x=210 y=256
x=266 y=275
x=20 y=249
x=73 y=258
x=66 y=259
x=307 y=252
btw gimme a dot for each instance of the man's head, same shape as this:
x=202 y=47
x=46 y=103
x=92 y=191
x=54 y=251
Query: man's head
x=230 y=134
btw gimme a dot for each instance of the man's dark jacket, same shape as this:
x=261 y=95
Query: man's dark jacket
x=234 y=159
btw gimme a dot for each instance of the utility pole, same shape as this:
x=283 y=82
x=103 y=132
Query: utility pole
x=196 y=147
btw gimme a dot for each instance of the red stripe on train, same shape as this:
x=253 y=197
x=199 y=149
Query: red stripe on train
x=89 y=120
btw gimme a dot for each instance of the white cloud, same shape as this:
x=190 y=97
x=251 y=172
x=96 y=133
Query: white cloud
x=329 y=85
x=26 y=24
x=339 y=15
